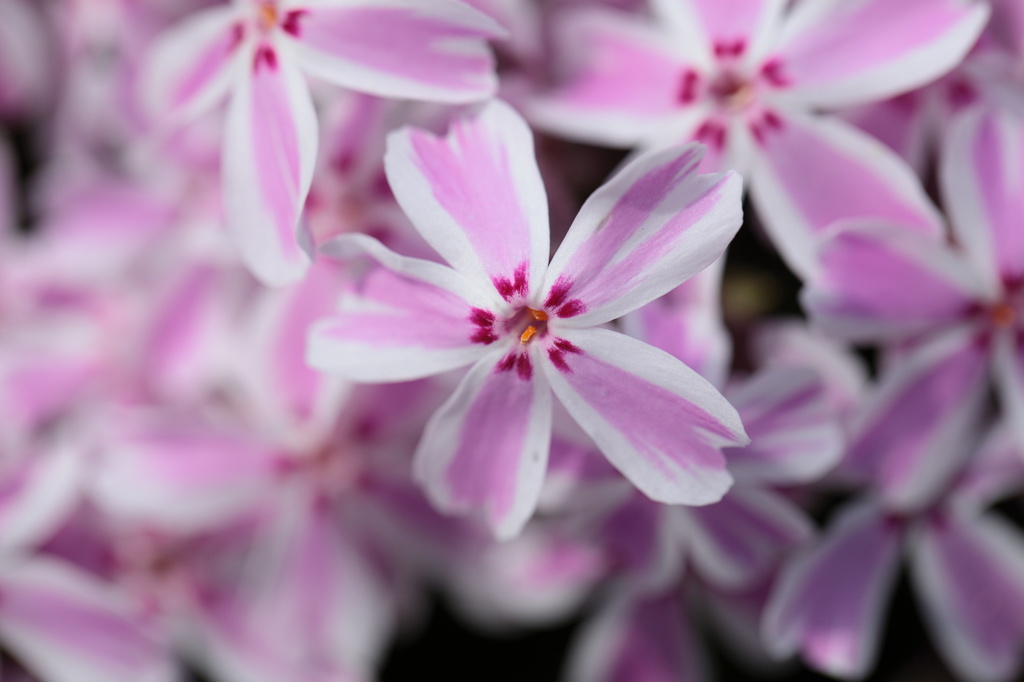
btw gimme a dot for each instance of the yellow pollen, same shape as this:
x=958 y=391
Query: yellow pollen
x=268 y=15
x=1003 y=315
x=743 y=96
x=538 y=315
x=528 y=334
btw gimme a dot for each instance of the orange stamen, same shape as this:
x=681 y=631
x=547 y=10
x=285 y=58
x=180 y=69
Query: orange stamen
x=268 y=15
x=538 y=315
x=528 y=334
x=1003 y=315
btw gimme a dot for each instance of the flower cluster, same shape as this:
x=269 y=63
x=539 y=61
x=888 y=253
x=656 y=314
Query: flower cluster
x=314 y=313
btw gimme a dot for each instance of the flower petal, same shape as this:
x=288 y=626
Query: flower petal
x=917 y=284
x=404 y=319
x=190 y=67
x=742 y=27
x=969 y=574
x=794 y=433
x=982 y=175
x=641 y=234
x=839 y=53
x=269 y=154
x=486 y=448
x=66 y=626
x=38 y=494
x=477 y=197
x=829 y=602
x=810 y=172
x=659 y=422
x=432 y=50
x=624 y=84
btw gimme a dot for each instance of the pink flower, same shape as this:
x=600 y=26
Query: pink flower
x=259 y=50
x=529 y=328
x=746 y=77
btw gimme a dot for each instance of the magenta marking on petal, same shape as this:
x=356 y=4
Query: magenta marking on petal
x=524 y=368
x=711 y=134
x=291 y=21
x=572 y=308
x=559 y=350
x=688 y=88
x=518 y=286
x=559 y=292
x=484 y=320
x=772 y=72
x=265 y=55
x=725 y=48
x=507 y=363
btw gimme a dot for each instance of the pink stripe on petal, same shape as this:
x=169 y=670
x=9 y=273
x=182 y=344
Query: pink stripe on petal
x=644 y=232
x=401 y=320
x=917 y=284
x=476 y=196
x=626 y=79
x=656 y=420
x=486 y=448
x=812 y=172
x=829 y=603
x=415 y=49
x=840 y=53
x=982 y=176
x=269 y=154
x=969 y=573
x=734 y=29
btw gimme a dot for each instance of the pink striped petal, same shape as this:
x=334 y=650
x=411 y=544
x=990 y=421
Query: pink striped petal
x=1008 y=376
x=982 y=176
x=902 y=123
x=643 y=233
x=624 y=84
x=839 y=53
x=742 y=539
x=404 y=319
x=268 y=158
x=687 y=322
x=829 y=602
x=486 y=449
x=477 y=197
x=38 y=493
x=918 y=284
x=638 y=639
x=413 y=49
x=660 y=423
x=918 y=427
x=810 y=172
x=66 y=626
x=994 y=472
x=969 y=574
x=189 y=68
x=740 y=28
x=794 y=433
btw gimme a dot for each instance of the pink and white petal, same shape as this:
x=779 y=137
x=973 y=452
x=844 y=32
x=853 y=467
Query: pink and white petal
x=982 y=173
x=641 y=538
x=637 y=638
x=180 y=474
x=1008 y=377
x=829 y=602
x=739 y=541
x=918 y=284
x=746 y=28
x=795 y=436
x=192 y=66
x=838 y=53
x=66 y=626
x=623 y=82
x=477 y=197
x=919 y=426
x=901 y=123
x=651 y=227
x=269 y=154
x=687 y=322
x=656 y=420
x=485 y=451
x=994 y=472
x=810 y=172
x=37 y=495
x=434 y=50
x=969 y=575
x=403 y=319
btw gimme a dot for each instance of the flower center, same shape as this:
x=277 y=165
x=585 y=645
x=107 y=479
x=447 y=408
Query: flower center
x=731 y=91
x=1003 y=315
x=268 y=16
x=537 y=324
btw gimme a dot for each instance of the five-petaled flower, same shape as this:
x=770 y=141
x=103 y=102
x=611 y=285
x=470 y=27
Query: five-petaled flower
x=420 y=49
x=531 y=328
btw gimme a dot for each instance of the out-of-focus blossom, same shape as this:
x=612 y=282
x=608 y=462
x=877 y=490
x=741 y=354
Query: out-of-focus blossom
x=744 y=77
x=529 y=328
x=258 y=51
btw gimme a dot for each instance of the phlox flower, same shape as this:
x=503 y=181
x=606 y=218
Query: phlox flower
x=258 y=50
x=529 y=328
x=747 y=77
